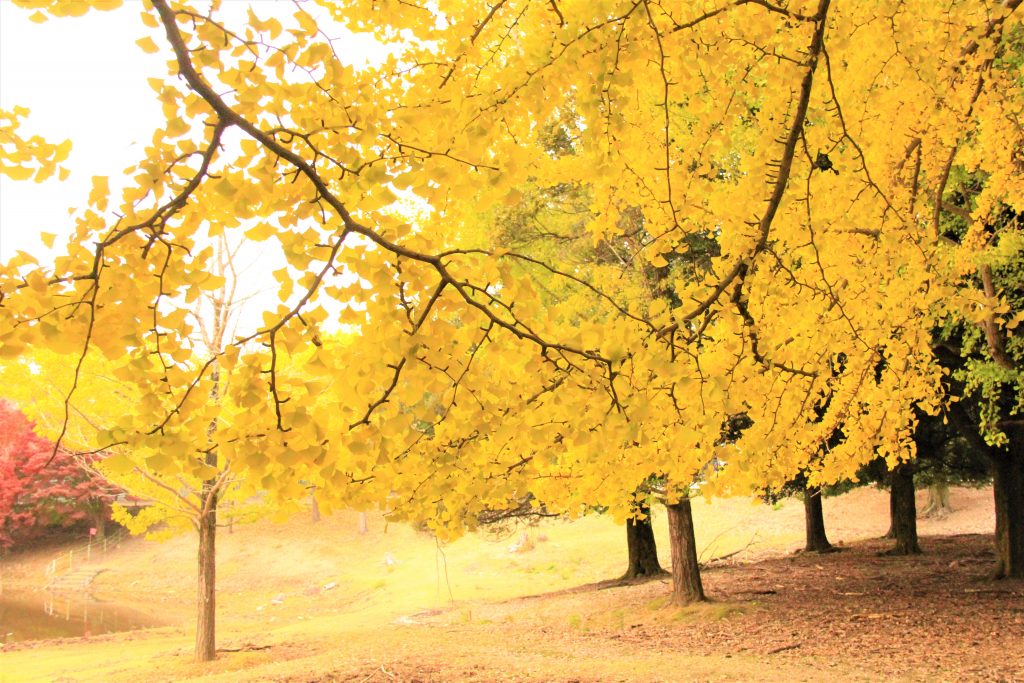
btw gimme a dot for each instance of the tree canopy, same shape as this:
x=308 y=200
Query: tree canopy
x=801 y=151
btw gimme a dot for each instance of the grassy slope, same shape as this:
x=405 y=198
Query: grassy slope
x=371 y=613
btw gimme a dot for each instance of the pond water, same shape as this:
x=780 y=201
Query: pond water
x=42 y=615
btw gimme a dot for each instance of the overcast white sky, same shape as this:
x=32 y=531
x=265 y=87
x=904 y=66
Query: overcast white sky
x=82 y=78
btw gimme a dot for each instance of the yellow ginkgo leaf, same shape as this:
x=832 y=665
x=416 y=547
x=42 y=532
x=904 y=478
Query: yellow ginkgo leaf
x=147 y=45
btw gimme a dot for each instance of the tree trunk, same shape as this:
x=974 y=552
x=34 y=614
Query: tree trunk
x=686 y=583
x=313 y=507
x=903 y=510
x=206 y=640
x=891 y=533
x=814 y=520
x=938 y=501
x=99 y=521
x=643 y=551
x=1008 y=487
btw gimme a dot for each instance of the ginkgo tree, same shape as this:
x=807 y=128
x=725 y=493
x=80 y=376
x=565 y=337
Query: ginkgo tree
x=687 y=117
x=840 y=268
x=183 y=482
x=186 y=480
x=810 y=141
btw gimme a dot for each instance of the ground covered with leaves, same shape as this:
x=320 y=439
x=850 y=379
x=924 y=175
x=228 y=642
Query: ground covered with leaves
x=320 y=602
x=853 y=614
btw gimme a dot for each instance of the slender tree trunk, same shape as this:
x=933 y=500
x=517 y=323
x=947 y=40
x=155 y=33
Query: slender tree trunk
x=206 y=637
x=99 y=521
x=313 y=507
x=938 y=501
x=686 y=583
x=643 y=550
x=814 y=521
x=1008 y=487
x=364 y=527
x=903 y=510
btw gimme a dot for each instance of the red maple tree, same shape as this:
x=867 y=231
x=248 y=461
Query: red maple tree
x=37 y=493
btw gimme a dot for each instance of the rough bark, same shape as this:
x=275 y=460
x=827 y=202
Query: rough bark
x=686 y=583
x=1008 y=489
x=938 y=501
x=206 y=638
x=814 y=521
x=903 y=510
x=642 y=548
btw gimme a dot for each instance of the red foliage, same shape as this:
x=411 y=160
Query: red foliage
x=37 y=493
